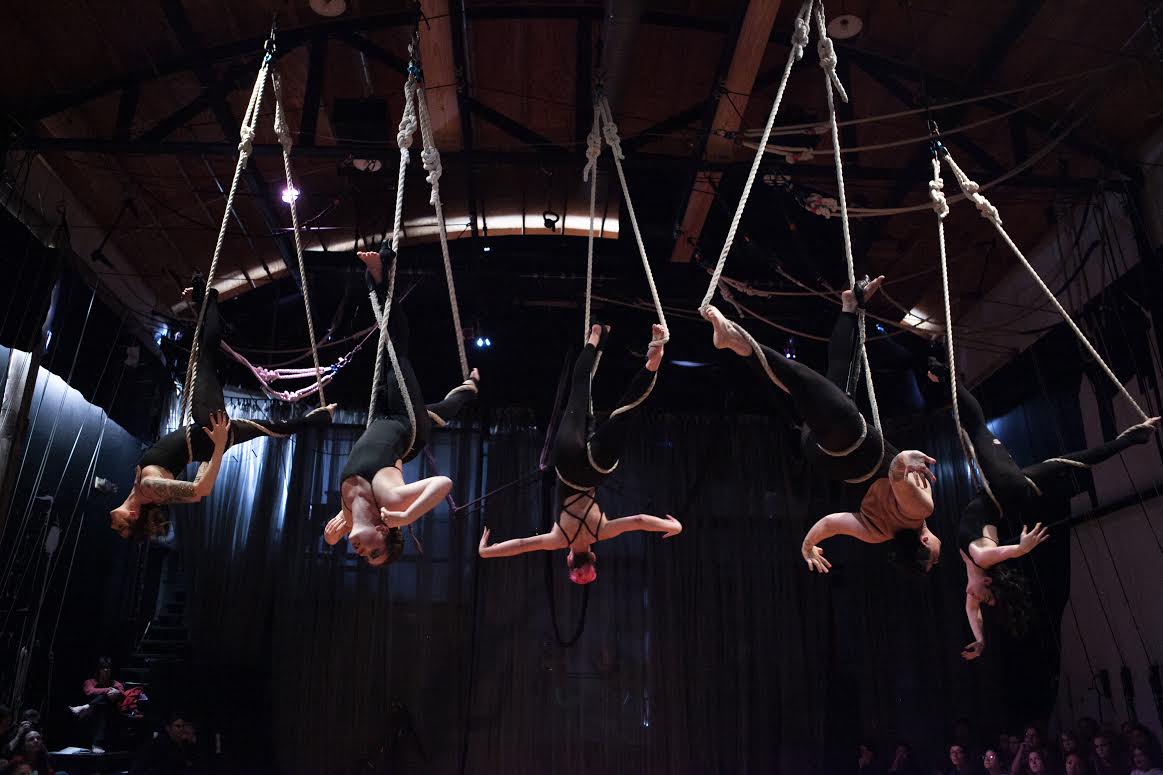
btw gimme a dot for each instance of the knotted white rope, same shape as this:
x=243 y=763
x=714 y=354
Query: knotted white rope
x=404 y=141
x=431 y=158
x=799 y=41
x=610 y=133
x=990 y=213
x=246 y=139
x=832 y=84
x=285 y=140
x=590 y=174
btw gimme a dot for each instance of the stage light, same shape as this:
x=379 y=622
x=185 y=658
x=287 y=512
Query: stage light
x=488 y=342
x=880 y=328
x=487 y=249
x=290 y=194
x=480 y=341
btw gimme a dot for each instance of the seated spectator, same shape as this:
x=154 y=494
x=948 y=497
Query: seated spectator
x=1106 y=760
x=1069 y=743
x=107 y=699
x=172 y=753
x=1138 y=736
x=29 y=719
x=959 y=759
x=1087 y=729
x=1076 y=764
x=866 y=763
x=1015 y=750
x=992 y=763
x=903 y=761
x=1146 y=762
x=7 y=732
x=30 y=751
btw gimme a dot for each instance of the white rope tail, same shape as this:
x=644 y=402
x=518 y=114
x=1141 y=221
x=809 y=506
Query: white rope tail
x=799 y=41
x=246 y=140
x=827 y=53
x=990 y=213
x=590 y=174
x=284 y=134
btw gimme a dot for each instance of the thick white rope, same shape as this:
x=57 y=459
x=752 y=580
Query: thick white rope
x=610 y=133
x=285 y=140
x=799 y=41
x=246 y=142
x=972 y=191
x=431 y=158
x=590 y=175
x=827 y=53
x=404 y=140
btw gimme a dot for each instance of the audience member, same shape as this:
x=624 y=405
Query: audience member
x=1068 y=742
x=866 y=763
x=993 y=763
x=1015 y=750
x=1076 y=764
x=903 y=761
x=1033 y=738
x=105 y=696
x=172 y=753
x=30 y=751
x=1087 y=729
x=1146 y=762
x=959 y=761
x=1138 y=736
x=1106 y=760
x=29 y=719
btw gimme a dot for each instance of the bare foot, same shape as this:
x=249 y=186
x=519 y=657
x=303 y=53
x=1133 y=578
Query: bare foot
x=727 y=335
x=369 y=257
x=475 y=375
x=848 y=297
x=659 y=336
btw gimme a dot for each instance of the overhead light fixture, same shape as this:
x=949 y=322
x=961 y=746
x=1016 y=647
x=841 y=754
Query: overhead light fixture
x=290 y=194
x=845 y=26
x=550 y=218
x=329 y=8
x=487 y=249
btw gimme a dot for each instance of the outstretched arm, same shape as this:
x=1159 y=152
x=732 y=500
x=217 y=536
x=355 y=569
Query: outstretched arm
x=973 y=613
x=163 y=491
x=988 y=556
x=338 y=527
x=843 y=523
x=545 y=542
x=667 y=525
x=424 y=495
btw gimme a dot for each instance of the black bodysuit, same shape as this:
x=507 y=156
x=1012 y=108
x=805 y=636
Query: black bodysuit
x=585 y=450
x=386 y=439
x=171 y=453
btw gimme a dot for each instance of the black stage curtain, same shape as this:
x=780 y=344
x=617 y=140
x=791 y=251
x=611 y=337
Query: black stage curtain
x=715 y=651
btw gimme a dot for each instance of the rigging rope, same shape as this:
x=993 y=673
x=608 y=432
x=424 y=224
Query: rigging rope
x=799 y=41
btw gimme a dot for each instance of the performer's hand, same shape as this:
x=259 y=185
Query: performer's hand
x=484 y=544
x=331 y=409
x=475 y=375
x=219 y=430
x=1031 y=538
x=337 y=527
x=392 y=518
x=814 y=556
x=913 y=461
x=673 y=531
x=973 y=650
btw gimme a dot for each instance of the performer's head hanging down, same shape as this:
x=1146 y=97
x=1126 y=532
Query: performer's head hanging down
x=377 y=502
x=842 y=445
x=585 y=452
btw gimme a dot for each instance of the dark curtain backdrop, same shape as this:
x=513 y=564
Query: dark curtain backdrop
x=715 y=651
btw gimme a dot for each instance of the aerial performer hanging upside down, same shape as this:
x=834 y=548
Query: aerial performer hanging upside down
x=377 y=502
x=144 y=512
x=838 y=442
x=1039 y=493
x=585 y=452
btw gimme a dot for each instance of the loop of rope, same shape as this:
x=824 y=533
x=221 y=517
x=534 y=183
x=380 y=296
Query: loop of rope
x=799 y=41
x=246 y=135
x=610 y=132
x=590 y=174
x=831 y=80
x=990 y=213
x=937 y=195
x=431 y=158
x=286 y=142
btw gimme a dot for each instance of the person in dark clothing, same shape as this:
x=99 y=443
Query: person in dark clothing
x=1014 y=497
x=156 y=485
x=377 y=502
x=839 y=443
x=174 y=752
x=585 y=452
x=104 y=696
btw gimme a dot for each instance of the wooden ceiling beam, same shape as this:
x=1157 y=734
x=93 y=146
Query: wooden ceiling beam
x=436 y=57
x=731 y=105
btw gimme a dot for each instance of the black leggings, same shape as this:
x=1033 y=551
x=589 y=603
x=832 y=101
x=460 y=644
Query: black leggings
x=1056 y=476
x=831 y=419
x=581 y=437
x=386 y=439
x=206 y=397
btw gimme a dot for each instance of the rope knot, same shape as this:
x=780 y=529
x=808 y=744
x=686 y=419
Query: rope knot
x=246 y=140
x=937 y=195
x=986 y=208
x=610 y=132
x=431 y=159
x=593 y=151
x=799 y=38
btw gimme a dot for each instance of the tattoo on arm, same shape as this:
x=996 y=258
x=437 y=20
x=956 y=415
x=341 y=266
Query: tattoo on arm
x=163 y=491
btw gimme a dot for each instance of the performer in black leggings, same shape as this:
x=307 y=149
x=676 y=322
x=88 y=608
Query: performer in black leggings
x=841 y=444
x=585 y=452
x=376 y=500
x=1014 y=497
x=144 y=513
